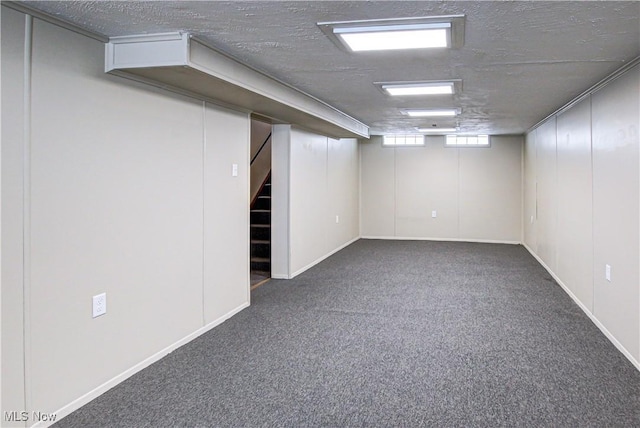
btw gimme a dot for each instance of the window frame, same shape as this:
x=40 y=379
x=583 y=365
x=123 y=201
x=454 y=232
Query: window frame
x=465 y=144
x=415 y=137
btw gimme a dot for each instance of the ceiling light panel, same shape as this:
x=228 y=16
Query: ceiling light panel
x=397 y=34
x=448 y=87
x=380 y=38
x=432 y=113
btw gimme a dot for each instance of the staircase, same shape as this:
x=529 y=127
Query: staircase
x=261 y=234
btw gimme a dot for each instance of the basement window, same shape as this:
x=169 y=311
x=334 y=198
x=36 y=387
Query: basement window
x=467 y=140
x=403 y=140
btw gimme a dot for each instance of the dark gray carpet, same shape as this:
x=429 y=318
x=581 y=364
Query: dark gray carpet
x=391 y=333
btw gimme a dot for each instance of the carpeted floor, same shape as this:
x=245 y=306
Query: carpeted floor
x=387 y=334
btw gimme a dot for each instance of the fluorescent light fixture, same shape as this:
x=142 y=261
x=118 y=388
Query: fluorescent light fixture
x=389 y=37
x=418 y=88
x=432 y=113
x=436 y=130
x=397 y=33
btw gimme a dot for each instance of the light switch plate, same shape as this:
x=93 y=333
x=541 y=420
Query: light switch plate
x=434 y=214
x=234 y=170
x=607 y=272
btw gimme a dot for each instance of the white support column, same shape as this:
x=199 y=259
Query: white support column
x=280 y=204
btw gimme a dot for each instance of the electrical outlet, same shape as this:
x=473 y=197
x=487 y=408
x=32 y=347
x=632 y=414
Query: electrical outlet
x=607 y=272
x=434 y=214
x=99 y=304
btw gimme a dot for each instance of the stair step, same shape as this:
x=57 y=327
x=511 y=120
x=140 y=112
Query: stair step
x=262 y=203
x=260 y=249
x=261 y=242
x=262 y=264
x=261 y=231
x=260 y=216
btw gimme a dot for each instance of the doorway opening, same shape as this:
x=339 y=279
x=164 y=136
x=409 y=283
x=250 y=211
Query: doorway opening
x=260 y=203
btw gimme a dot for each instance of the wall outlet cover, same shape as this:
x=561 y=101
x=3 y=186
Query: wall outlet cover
x=99 y=304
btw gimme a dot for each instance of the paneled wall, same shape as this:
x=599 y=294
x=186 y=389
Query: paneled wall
x=127 y=190
x=475 y=192
x=315 y=187
x=585 y=205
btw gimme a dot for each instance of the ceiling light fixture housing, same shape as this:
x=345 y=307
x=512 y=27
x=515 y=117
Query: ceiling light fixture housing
x=428 y=87
x=397 y=34
x=448 y=112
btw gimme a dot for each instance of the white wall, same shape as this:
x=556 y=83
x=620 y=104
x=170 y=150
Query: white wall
x=315 y=179
x=130 y=193
x=476 y=192
x=226 y=212
x=12 y=220
x=585 y=163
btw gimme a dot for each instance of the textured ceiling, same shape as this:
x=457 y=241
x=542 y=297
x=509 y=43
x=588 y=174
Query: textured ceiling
x=520 y=60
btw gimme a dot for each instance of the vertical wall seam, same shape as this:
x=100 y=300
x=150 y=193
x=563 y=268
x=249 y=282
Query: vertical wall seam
x=359 y=147
x=535 y=180
x=556 y=191
x=26 y=207
x=522 y=189
x=395 y=193
x=593 y=235
x=1 y=405
x=289 y=210
x=247 y=165
x=204 y=203
x=458 y=193
x=328 y=236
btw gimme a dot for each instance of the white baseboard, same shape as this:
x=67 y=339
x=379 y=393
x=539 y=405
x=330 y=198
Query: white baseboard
x=312 y=264
x=421 y=238
x=586 y=310
x=86 y=398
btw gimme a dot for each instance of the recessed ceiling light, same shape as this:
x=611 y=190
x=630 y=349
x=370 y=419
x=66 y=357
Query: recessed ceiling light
x=432 y=113
x=388 y=37
x=418 y=88
x=436 y=130
x=398 y=33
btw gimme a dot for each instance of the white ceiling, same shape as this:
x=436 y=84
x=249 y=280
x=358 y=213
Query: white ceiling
x=520 y=60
